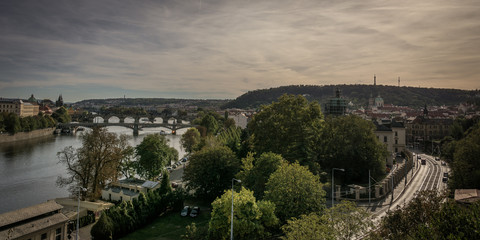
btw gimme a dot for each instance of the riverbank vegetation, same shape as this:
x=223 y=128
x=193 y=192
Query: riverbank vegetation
x=12 y=123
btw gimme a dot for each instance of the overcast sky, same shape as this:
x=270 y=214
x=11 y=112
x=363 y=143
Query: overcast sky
x=224 y=48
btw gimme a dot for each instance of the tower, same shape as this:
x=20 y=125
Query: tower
x=59 y=102
x=398 y=81
x=374 y=80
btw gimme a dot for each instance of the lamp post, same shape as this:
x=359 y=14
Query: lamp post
x=78 y=210
x=231 y=220
x=333 y=185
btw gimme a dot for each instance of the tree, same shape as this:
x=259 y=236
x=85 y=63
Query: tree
x=103 y=229
x=94 y=164
x=12 y=123
x=350 y=142
x=344 y=221
x=190 y=140
x=255 y=172
x=289 y=127
x=295 y=191
x=61 y=115
x=403 y=223
x=154 y=154
x=230 y=137
x=466 y=163
x=251 y=218
x=210 y=123
x=210 y=170
x=128 y=164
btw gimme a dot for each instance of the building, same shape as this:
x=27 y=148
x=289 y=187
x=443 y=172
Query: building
x=240 y=119
x=392 y=134
x=467 y=195
x=19 y=107
x=423 y=129
x=59 y=102
x=128 y=189
x=38 y=222
x=335 y=106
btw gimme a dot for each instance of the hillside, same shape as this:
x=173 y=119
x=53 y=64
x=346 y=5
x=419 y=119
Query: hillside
x=359 y=95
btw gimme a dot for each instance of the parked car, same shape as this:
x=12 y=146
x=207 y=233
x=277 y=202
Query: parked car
x=444 y=163
x=445 y=174
x=437 y=159
x=174 y=185
x=185 y=211
x=195 y=212
x=185 y=159
x=444 y=179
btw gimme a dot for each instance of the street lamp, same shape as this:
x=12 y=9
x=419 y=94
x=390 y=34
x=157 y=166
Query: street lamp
x=78 y=210
x=333 y=185
x=231 y=220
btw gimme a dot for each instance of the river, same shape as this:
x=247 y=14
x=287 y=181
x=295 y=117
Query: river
x=29 y=169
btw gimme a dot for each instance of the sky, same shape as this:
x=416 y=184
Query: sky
x=220 y=49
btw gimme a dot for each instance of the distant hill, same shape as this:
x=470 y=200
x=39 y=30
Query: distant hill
x=359 y=95
x=137 y=102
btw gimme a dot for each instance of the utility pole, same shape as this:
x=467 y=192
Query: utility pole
x=369 y=189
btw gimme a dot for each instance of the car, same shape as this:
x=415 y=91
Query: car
x=445 y=174
x=169 y=169
x=437 y=159
x=195 y=212
x=444 y=179
x=184 y=159
x=174 y=185
x=185 y=211
x=444 y=163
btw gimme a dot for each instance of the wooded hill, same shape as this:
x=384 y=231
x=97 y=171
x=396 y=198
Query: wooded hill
x=359 y=95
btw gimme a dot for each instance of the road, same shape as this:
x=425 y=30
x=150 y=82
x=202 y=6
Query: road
x=422 y=177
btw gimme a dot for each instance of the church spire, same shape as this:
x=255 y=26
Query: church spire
x=374 y=80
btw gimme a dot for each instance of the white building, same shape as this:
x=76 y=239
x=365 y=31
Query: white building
x=393 y=135
x=128 y=189
x=240 y=119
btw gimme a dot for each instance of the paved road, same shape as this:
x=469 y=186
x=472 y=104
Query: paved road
x=422 y=177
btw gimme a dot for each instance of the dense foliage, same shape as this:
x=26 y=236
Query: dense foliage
x=210 y=170
x=251 y=219
x=465 y=167
x=344 y=221
x=129 y=216
x=61 y=115
x=428 y=216
x=289 y=127
x=295 y=191
x=190 y=140
x=12 y=123
x=255 y=172
x=359 y=95
x=154 y=154
x=349 y=142
x=94 y=164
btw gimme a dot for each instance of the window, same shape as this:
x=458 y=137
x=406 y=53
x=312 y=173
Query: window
x=396 y=150
x=44 y=236
x=396 y=134
x=396 y=141
x=58 y=234
x=385 y=139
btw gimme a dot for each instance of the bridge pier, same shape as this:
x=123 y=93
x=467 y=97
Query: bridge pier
x=135 y=130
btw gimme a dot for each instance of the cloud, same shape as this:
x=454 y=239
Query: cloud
x=220 y=49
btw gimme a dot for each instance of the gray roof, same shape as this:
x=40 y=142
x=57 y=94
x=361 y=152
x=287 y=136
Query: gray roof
x=28 y=212
x=150 y=184
x=33 y=226
x=126 y=191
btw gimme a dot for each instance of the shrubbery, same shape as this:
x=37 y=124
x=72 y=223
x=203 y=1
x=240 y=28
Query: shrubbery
x=129 y=216
x=12 y=123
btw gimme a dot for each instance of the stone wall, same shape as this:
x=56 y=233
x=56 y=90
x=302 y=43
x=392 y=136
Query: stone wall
x=5 y=137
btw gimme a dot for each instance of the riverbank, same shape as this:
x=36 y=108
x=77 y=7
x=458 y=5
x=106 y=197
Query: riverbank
x=21 y=136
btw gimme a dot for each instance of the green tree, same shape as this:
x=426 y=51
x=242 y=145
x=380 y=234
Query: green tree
x=190 y=140
x=231 y=137
x=251 y=218
x=344 y=221
x=295 y=191
x=153 y=155
x=289 y=127
x=103 y=229
x=94 y=164
x=255 y=172
x=210 y=170
x=350 y=142
x=12 y=123
x=210 y=123
x=128 y=165
x=61 y=115
x=466 y=163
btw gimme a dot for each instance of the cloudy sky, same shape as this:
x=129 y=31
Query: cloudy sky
x=224 y=48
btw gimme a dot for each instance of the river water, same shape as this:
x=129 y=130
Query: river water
x=29 y=169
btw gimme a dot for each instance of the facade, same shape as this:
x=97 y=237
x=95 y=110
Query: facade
x=19 y=107
x=240 y=119
x=392 y=134
x=335 y=106
x=38 y=222
x=128 y=189
x=423 y=129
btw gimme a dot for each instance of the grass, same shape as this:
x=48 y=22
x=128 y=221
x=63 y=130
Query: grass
x=170 y=226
